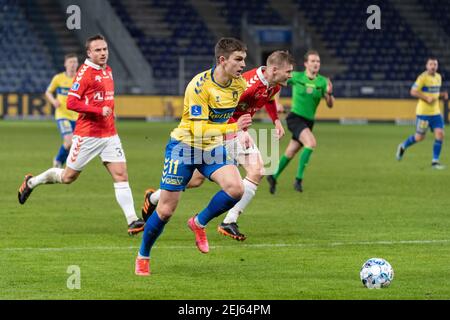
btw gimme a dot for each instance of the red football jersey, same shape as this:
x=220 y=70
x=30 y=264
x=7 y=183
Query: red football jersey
x=257 y=95
x=93 y=89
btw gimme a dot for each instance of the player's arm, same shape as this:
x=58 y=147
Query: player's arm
x=197 y=101
x=443 y=95
x=329 y=98
x=280 y=107
x=416 y=91
x=76 y=99
x=49 y=93
x=271 y=108
x=204 y=128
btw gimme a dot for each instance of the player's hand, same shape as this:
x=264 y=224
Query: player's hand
x=56 y=104
x=445 y=95
x=244 y=122
x=429 y=100
x=106 y=111
x=279 y=129
x=245 y=140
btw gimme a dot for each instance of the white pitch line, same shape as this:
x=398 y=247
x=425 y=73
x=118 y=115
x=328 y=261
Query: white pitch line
x=261 y=245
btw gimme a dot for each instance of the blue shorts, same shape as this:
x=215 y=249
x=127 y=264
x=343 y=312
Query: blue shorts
x=181 y=160
x=425 y=122
x=65 y=126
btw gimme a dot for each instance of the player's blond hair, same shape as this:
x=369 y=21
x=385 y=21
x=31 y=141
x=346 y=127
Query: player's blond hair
x=279 y=58
x=226 y=46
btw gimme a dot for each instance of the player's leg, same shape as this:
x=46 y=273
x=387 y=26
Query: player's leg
x=293 y=147
x=437 y=125
x=295 y=125
x=176 y=175
x=154 y=227
x=152 y=196
x=114 y=160
x=227 y=176
x=422 y=125
x=252 y=162
x=65 y=128
x=81 y=153
x=309 y=143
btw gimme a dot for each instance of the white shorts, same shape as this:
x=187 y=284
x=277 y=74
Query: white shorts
x=84 y=149
x=236 y=150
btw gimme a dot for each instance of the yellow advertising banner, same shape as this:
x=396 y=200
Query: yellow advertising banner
x=167 y=107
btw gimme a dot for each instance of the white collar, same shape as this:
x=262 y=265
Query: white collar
x=261 y=77
x=92 y=65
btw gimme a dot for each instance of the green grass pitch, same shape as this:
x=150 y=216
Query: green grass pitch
x=358 y=203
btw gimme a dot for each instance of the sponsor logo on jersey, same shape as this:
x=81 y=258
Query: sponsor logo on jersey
x=196 y=110
x=98 y=78
x=75 y=86
x=98 y=96
x=220 y=115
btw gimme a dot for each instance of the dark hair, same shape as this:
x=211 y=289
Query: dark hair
x=431 y=58
x=70 y=55
x=93 y=38
x=226 y=46
x=309 y=53
x=280 y=57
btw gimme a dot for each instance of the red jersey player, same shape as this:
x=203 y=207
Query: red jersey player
x=92 y=96
x=263 y=84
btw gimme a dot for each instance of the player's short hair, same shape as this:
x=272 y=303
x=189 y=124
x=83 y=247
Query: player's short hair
x=310 y=53
x=226 y=46
x=279 y=58
x=431 y=58
x=69 y=56
x=93 y=38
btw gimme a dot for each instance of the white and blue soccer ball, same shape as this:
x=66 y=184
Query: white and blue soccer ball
x=376 y=273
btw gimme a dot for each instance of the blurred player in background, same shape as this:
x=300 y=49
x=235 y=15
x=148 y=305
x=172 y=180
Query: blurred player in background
x=92 y=96
x=308 y=88
x=427 y=89
x=263 y=84
x=65 y=119
x=197 y=143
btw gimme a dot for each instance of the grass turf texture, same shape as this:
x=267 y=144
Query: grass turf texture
x=358 y=203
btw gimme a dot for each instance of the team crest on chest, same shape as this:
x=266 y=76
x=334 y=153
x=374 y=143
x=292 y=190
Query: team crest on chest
x=235 y=96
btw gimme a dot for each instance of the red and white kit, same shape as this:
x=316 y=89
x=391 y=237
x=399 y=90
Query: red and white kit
x=94 y=134
x=257 y=96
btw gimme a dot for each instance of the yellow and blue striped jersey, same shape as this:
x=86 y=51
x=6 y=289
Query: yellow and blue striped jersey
x=61 y=84
x=430 y=86
x=207 y=100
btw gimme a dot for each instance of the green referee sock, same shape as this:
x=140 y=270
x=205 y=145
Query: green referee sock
x=304 y=159
x=284 y=161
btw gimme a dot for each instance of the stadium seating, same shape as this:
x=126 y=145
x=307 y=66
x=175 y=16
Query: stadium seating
x=186 y=35
x=166 y=30
x=25 y=63
x=392 y=53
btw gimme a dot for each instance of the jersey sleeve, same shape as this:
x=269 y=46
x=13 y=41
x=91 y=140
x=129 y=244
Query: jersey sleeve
x=80 y=85
x=197 y=102
x=53 y=84
x=418 y=84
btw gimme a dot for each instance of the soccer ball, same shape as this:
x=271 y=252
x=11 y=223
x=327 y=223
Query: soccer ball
x=376 y=273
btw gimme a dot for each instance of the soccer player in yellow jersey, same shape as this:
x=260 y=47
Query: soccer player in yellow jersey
x=197 y=143
x=427 y=89
x=65 y=119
